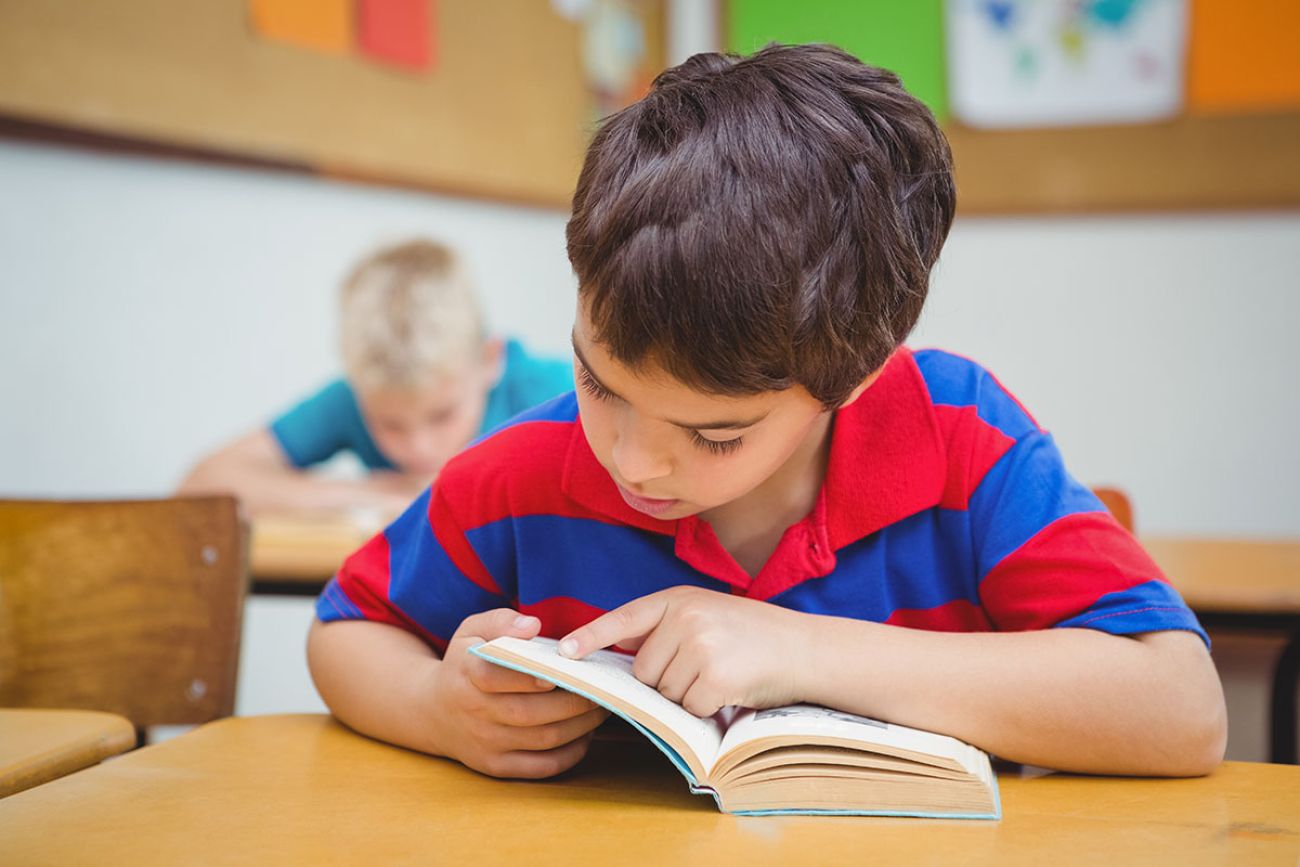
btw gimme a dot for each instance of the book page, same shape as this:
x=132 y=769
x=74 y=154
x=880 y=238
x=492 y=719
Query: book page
x=611 y=673
x=805 y=721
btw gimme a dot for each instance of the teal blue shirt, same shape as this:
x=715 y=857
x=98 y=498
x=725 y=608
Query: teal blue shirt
x=330 y=421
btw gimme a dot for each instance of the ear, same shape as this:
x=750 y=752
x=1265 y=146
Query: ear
x=862 y=387
x=494 y=359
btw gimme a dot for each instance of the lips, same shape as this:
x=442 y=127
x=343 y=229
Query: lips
x=646 y=505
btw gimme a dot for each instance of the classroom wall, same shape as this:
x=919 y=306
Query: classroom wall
x=152 y=310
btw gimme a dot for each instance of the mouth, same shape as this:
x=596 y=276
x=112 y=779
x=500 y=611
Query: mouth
x=646 y=505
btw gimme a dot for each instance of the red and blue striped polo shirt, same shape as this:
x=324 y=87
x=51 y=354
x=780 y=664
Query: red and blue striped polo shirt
x=944 y=507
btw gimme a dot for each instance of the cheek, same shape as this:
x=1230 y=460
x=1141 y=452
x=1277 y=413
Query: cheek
x=598 y=426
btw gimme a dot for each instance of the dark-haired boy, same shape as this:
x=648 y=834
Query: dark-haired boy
x=755 y=488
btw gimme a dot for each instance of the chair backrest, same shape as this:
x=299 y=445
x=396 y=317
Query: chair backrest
x=1117 y=503
x=131 y=607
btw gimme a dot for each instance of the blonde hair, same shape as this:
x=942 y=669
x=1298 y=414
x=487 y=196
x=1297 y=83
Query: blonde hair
x=408 y=313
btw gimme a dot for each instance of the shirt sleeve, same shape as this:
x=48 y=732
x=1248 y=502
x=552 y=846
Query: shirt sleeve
x=420 y=574
x=1050 y=555
x=317 y=428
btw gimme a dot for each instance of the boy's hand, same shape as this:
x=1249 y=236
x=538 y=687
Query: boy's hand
x=706 y=650
x=501 y=722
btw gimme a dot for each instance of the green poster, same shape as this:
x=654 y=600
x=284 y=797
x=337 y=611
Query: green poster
x=905 y=36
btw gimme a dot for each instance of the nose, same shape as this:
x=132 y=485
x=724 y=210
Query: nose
x=636 y=458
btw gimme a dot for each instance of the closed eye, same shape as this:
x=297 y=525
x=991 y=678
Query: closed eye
x=717 y=447
x=593 y=388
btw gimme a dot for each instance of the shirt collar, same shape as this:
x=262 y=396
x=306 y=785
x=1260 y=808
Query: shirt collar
x=886 y=463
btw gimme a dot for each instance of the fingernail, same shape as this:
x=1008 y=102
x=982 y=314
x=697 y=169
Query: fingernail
x=568 y=647
x=523 y=621
x=542 y=684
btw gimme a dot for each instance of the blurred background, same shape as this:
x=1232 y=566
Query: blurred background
x=183 y=185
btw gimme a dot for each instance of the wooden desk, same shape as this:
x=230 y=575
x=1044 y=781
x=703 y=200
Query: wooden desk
x=37 y=746
x=304 y=790
x=296 y=555
x=1232 y=575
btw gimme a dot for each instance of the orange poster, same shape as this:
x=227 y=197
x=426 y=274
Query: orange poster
x=322 y=25
x=1245 y=56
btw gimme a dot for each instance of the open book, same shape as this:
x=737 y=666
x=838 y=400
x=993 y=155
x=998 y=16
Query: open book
x=796 y=759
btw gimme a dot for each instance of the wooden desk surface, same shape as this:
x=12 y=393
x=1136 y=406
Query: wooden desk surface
x=304 y=549
x=37 y=746
x=302 y=789
x=1239 y=575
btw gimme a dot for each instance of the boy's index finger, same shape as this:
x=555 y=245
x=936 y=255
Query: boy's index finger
x=636 y=619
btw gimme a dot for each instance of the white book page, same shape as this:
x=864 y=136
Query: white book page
x=611 y=672
x=807 y=721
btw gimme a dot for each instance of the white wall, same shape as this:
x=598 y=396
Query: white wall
x=1162 y=351
x=153 y=309
x=150 y=310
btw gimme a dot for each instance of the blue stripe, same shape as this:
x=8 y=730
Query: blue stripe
x=1027 y=489
x=1148 y=607
x=921 y=562
x=602 y=565
x=424 y=583
x=562 y=408
x=334 y=604
x=956 y=381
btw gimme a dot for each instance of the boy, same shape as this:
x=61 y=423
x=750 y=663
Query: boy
x=755 y=488
x=423 y=379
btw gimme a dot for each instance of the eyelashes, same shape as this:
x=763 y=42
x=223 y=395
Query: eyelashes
x=589 y=385
x=714 y=447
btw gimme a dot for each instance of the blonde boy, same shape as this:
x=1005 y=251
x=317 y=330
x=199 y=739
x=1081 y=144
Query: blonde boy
x=423 y=378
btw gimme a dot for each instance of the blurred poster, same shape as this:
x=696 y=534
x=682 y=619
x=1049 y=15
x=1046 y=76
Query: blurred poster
x=1245 y=57
x=320 y=25
x=614 y=56
x=396 y=32
x=1023 y=63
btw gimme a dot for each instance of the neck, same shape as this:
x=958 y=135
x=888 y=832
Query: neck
x=751 y=526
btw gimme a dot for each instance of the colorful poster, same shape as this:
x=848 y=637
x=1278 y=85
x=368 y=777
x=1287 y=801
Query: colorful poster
x=614 y=56
x=396 y=32
x=321 y=25
x=905 y=36
x=1244 y=56
x=1024 y=63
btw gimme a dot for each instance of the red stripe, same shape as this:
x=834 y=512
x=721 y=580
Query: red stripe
x=520 y=471
x=974 y=446
x=560 y=615
x=1063 y=570
x=364 y=579
x=446 y=530
x=956 y=616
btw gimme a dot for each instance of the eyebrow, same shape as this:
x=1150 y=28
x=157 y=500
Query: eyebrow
x=723 y=424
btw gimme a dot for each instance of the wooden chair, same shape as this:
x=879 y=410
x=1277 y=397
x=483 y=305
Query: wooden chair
x=1117 y=503
x=130 y=607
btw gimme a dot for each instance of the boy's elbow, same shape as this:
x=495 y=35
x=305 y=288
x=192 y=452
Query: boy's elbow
x=1188 y=731
x=1198 y=735
x=1207 y=739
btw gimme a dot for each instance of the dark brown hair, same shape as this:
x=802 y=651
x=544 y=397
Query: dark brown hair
x=756 y=223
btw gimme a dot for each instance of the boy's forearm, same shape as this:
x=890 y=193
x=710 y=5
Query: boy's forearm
x=1072 y=699
x=377 y=679
x=273 y=490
